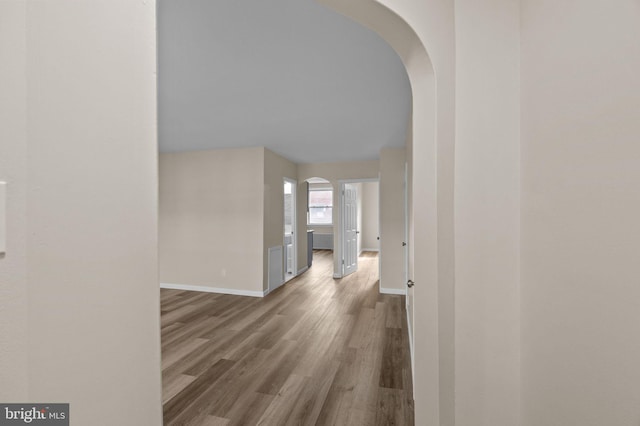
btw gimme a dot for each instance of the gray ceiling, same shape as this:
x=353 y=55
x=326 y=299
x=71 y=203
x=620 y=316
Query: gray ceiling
x=290 y=75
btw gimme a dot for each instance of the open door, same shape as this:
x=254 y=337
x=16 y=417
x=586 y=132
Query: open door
x=289 y=241
x=350 y=229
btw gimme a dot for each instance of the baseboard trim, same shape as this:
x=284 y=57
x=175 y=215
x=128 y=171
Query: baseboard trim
x=337 y=276
x=399 y=292
x=206 y=289
x=370 y=249
x=303 y=270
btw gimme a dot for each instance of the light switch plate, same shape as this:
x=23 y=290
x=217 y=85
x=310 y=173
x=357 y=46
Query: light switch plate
x=3 y=217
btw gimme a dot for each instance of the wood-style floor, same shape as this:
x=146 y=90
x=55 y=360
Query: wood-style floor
x=316 y=351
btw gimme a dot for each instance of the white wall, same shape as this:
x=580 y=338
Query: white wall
x=370 y=216
x=580 y=210
x=13 y=162
x=487 y=213
x=211 y=219
x=392 y=164
x=91 y=183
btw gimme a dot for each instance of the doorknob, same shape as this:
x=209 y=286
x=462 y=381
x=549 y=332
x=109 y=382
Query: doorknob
x=410 y=283
x=404 y=244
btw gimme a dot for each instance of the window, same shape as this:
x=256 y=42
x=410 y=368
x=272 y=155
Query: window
x=320 y=206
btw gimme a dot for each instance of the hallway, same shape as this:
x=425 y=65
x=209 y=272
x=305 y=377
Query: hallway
x=315 y=351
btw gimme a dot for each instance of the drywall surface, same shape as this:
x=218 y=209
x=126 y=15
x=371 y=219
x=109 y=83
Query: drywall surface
x=487 y=214
x=94 y=326
x=580 y=210
x=276 y=168
x=211 y=218
x=333 y=172
x=392 y=217
x=13 y=170
x=370 y=216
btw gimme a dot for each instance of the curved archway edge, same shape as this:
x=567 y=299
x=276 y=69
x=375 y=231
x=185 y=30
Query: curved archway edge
x=430 y=321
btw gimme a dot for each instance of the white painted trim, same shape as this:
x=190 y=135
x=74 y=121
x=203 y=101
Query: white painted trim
x=369 y=249
x=413 y=364
x=399 y=292
x=206 y=289
x=294 y=228
x=337 y=276
x=303 y=270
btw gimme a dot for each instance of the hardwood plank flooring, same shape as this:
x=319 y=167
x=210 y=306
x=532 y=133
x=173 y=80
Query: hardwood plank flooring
x=316 y=351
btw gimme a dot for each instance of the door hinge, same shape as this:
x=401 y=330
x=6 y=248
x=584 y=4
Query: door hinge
x=343 y=261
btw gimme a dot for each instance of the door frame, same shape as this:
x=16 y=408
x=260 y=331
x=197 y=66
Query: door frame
x=339 y=245
x=294 y=230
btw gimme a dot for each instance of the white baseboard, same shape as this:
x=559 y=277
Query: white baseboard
x=337 y=276
x=400 y=292
x=205 y=289
x=303 y=270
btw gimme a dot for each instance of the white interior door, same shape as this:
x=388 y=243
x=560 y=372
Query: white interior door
x=289 y=243
x=350 y=228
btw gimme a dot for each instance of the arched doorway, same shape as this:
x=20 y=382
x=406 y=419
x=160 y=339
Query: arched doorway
x=429 y=309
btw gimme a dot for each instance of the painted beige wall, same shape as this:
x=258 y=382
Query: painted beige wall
x=370 y=215
x=392 y=164
x=580 y=210
x=276 y=168
x=333 y=172
x=92 y=282
x=211 y=218
x=487 y=213
x=13 y=161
